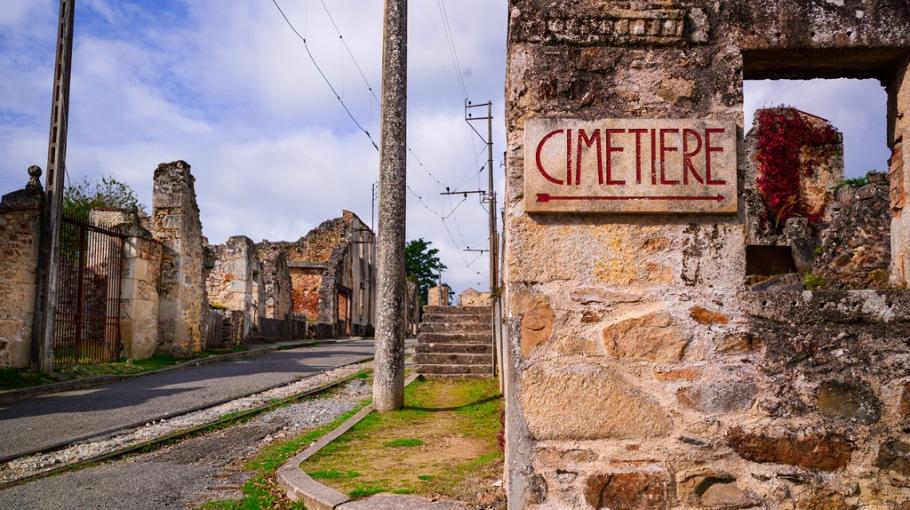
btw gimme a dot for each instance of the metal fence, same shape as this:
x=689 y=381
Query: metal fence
x=87 y=314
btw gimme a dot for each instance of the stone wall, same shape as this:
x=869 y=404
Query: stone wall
x=437 y=296
x=899 y=176
x=20 y=225
x=141 y=273
x=640 y=372
x=334 y=259
x=183 y=305
x=276 y=280
x=471 y=297
x=234 y=280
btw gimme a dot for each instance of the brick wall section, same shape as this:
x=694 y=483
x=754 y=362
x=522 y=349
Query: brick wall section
x=183 y=306
x=20 y=223
x=639 y=371
x=305 y=285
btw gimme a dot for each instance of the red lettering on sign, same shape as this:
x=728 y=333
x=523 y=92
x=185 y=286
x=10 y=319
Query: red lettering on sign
x=569 y=157
x=586 y=142
x=638 y=133
x=663 y=160
x=688 y=167
x=708 y=150
x=540 y=167
x=610 y=151
x=653 y=157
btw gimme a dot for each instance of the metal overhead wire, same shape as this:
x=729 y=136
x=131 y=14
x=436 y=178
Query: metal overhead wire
x=372 y=91
x=324 y=77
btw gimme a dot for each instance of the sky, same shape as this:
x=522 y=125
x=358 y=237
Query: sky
x=228 y=87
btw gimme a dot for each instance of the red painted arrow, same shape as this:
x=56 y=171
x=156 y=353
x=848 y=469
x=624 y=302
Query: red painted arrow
x=546 y=197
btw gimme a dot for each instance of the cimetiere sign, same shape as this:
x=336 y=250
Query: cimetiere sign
x=630 y=166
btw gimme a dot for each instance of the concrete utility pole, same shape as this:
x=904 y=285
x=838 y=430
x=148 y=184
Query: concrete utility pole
x=45 y=310
x=388 y=373
x=491 y=203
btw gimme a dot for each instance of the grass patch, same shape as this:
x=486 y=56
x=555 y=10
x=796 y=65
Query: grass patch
x=261 y=491
x=333 y=475
x=404 y=442
x=13 y=379
x=455 y=423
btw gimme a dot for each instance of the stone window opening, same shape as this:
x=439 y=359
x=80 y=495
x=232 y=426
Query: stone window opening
x=815 y=219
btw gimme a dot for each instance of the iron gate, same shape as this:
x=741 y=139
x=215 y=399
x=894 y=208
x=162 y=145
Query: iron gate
x=87 y=316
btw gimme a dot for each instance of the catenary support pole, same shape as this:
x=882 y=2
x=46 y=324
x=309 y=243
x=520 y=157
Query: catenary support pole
x=388 y=373
x=45 y=310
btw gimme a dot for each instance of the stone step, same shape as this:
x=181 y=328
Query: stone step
x=457 y=318
x=457 y=309
x=455 y=338
x=449 y=327
x=455 y=370
x=435 y=358
x=464 y=348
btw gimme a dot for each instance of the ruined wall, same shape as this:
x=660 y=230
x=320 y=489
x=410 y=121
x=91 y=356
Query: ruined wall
x=899 y=176
x=305 y=285
x=183 y=304
x=276 y=280
x=20 y=225
x=471 y=297
x=640 y=373
x=234 y=280
x=141 y=273
x=439 y=297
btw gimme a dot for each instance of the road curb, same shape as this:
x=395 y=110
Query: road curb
x=185 y=432
x=12 y=396
x=299 y=486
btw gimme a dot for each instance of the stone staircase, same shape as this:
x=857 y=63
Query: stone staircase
x=455 y=341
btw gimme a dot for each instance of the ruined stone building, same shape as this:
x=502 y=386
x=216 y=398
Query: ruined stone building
x=133 y=285
x=332 y=272
x=698 y=318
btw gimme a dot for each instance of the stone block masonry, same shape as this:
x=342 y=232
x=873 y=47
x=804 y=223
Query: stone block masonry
x=234 y=280
x=183 y=304
x=641 y=372
x=139 y=306
x=20 y=225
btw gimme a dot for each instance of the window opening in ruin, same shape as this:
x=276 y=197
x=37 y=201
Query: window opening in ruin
x=816 y=188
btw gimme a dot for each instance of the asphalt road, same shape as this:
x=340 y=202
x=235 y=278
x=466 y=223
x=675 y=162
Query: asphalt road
x=62 y=418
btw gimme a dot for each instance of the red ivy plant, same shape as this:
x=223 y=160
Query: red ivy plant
x=782 y=133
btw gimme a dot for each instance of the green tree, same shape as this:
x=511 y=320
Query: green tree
x=85 y=195
x=422 y=265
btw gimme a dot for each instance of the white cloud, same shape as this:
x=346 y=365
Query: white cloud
x=227 y=87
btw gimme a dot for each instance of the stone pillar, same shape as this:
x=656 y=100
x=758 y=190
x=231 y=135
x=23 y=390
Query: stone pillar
x=183 y=304
x=20 y=225
x=899 y=176
x=139 y=293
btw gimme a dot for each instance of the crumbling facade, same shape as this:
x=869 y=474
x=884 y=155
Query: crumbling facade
x=641 y=370
x=276 y=280
x=20 y=225
x=471 y=297
x=333 y=276
x=234 y=280
x=439 y=295
x=183 y=305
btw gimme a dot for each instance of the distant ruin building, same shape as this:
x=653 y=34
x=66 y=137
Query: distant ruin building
x=332 y=271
